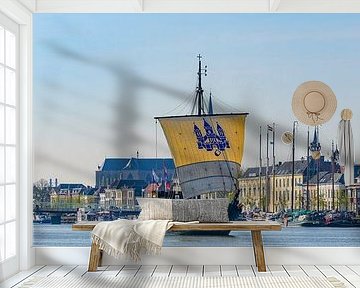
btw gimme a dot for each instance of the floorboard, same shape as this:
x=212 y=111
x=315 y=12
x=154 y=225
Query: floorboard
x=245 y=271
x=47 y=271
x=229 y=270
x=278 y=270
x=348 y=274
x=20 y=277
x=352 y=277
x=294 y=271
x=329 y=271
x=129 y=270
x=311 y=271
x=162 y=271
x=195 y=271
x=178 y=270
x=98 y=273
x=112 y=271
x=212 y=270
x=146 y=271
x=62 y=271
x=355 y=268
x=261 y=274
x=78 y=271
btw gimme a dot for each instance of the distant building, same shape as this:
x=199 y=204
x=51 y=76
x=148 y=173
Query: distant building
x=134 y=169
x=326 y=195
x=278 y=197
x=175 y=191
x=165 y=189
x=90 y=196
x=74 y=195
x=118 y=195
x=353 y=191
x=110 y=171
x=151 y=191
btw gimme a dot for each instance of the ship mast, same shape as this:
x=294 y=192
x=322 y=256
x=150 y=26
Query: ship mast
x=199 y=90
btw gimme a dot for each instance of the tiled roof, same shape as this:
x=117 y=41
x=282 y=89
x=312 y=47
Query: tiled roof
x=150 y=164
x=118 y=164
x=114 y=164
x=101 y=190
x=326 y=178
x=70 y=186
x=282 y=169
x=254 y=172
x=90 y=191
x=286 y=167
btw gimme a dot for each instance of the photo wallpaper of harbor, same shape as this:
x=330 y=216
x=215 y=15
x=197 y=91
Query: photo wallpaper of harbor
x=107 y=88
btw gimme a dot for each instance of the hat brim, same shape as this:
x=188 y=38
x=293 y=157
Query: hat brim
x=311 y=118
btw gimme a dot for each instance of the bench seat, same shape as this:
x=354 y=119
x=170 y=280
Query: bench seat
x=254 y=226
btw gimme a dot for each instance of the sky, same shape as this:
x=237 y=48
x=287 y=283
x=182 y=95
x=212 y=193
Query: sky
x=99 y=80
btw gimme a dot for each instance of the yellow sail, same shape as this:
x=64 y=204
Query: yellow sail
x=207 y=150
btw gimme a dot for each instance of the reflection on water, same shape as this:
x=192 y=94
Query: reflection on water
x=62 y=235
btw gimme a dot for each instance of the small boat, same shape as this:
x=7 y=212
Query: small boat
x=41 y=219
x=315 y=223
x=329 y=219
x=346 y=223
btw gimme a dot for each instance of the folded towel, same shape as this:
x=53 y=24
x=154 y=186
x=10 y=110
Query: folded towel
x=131 y=237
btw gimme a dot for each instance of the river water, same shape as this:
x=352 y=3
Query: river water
x=48 y=235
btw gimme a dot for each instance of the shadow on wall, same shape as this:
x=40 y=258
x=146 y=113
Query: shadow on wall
x=125 y=115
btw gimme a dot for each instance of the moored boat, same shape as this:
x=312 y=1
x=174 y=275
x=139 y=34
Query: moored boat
x=207 y=148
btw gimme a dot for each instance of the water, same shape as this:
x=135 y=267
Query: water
x=47 y=235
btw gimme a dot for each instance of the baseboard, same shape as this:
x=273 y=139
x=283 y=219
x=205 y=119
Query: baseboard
x=209 y=256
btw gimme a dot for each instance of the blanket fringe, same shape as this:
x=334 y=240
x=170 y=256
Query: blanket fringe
x=133 y=248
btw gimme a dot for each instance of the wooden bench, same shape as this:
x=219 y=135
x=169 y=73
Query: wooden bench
x=254 y=226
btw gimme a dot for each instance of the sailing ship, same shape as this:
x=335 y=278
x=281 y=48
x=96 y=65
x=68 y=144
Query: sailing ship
x=207 y=147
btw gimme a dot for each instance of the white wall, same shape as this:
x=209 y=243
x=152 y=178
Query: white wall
x=209 y=256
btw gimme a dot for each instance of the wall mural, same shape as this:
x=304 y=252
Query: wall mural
x=253 y=108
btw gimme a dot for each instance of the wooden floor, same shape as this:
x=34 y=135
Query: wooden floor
x=350 y=274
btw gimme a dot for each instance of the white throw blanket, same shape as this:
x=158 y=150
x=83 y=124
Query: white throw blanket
x=131 y=237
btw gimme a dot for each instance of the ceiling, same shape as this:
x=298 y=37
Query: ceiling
x=178 y=6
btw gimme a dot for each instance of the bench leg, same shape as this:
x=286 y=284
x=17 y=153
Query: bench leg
x=258 y=250
x=95 y=258
x=254 y=249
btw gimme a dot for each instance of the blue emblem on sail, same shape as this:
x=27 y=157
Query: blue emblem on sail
x=212 y=140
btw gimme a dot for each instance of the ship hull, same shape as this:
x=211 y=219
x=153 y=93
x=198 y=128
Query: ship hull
x=196 y=179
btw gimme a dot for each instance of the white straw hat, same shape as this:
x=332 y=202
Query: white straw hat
x=314 y=103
